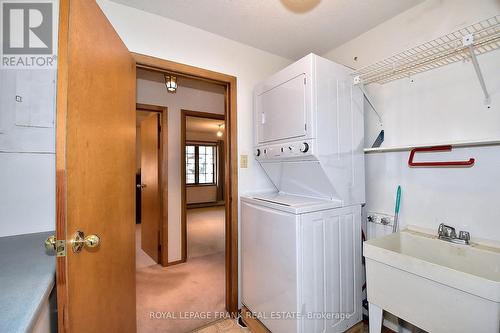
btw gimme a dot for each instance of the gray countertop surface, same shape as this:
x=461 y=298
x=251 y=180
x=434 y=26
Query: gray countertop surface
x=27 y=276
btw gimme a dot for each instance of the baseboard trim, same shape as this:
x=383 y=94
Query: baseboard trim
x=175 y=263
x=254 y=324
x=205 y=204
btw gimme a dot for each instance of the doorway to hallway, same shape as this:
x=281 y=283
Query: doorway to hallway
x=193 y=280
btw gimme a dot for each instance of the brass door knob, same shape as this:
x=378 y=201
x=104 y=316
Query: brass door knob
x=50 y=244
x=55 y=246
x=80 y=240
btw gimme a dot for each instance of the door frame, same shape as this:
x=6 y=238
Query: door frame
x=163 y=176
x=231 y=157
x=184 y=115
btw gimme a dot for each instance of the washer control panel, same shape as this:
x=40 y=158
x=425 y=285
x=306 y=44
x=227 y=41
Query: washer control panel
x=295 y=149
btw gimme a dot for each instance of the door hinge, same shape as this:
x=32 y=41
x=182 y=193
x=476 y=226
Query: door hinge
x=60 y=248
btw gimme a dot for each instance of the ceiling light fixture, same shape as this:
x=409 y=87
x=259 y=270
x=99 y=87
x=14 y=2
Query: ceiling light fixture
x=171 y=83
x=300 y=6
x=219 y=132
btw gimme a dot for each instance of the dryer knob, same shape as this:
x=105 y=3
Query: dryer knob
x=304 y=147
x=257 y=152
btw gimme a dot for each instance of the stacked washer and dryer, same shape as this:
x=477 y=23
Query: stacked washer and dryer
x=301 y=244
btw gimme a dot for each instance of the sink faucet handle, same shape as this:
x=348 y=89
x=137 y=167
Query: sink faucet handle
x=441 y=229
x=446 y=230
x=465 y=235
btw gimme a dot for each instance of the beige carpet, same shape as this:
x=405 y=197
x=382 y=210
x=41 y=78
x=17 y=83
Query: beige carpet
x=205 y=231
x=223 y=326
x=187 y=296
x=141 y=258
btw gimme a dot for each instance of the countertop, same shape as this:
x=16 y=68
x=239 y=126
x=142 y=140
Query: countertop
x=27 y=276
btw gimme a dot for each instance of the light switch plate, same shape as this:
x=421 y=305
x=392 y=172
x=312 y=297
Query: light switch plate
x=243 y=161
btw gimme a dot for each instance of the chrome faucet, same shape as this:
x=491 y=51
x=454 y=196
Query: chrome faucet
x=448 y=233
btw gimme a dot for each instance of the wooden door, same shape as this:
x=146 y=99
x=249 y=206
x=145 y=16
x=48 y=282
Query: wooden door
x=150 y=194
x=95 y=163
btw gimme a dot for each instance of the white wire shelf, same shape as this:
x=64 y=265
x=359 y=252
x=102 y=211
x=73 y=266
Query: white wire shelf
x=456 y=46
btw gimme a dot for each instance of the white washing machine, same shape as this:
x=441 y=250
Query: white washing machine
x=301 y=245
x=301 y=263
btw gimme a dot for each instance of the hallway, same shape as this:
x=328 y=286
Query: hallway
x=165 y=294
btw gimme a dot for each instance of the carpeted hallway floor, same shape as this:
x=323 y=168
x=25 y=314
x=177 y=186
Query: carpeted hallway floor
x=166 y=295
x=205 y=229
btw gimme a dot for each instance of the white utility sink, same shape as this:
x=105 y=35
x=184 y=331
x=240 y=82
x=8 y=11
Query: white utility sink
x=435 y=285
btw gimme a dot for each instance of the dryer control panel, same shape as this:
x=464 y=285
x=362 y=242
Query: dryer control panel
x=289 y=150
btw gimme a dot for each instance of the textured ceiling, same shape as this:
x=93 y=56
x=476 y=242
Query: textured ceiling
x=289 y=28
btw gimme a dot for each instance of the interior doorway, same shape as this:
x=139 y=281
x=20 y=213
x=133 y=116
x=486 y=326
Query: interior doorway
x=231 y=162
x=198 y=274
x=89 y=83
x=203 y=186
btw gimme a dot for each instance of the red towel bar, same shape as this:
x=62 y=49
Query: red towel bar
x=465 y=164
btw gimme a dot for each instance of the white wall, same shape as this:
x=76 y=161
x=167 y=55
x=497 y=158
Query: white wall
x=443 y=105
x=27 y=198
x=27 y=148
x=202 y=136
x=191 y=95
x=167 y=39
x=27 y=152
x=201 y=194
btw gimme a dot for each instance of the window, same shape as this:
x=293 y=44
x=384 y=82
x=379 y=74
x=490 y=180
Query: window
x=200 y=164
x=190 y=165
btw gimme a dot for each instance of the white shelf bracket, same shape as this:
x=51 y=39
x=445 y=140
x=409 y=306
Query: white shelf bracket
x=357 y=82
x=468 y=41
